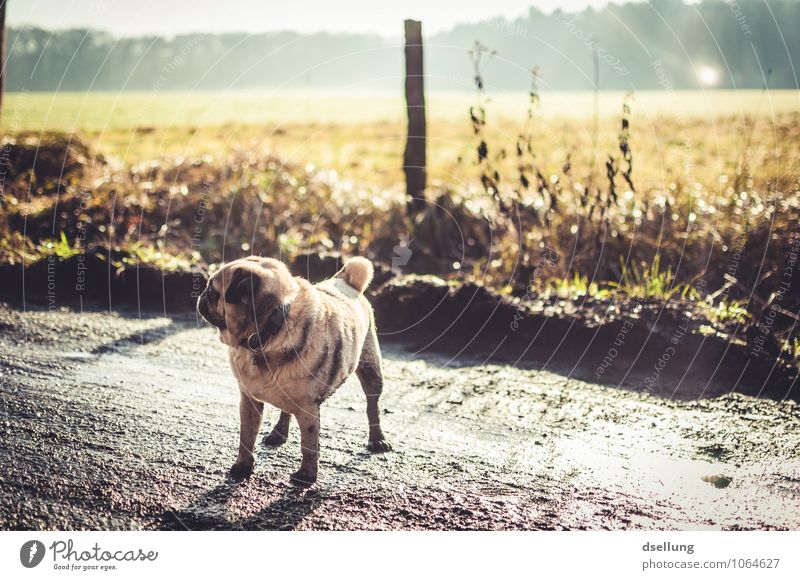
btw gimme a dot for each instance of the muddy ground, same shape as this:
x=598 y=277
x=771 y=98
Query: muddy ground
x=128 y=421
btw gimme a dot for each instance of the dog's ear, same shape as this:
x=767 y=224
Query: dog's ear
x=243 y=287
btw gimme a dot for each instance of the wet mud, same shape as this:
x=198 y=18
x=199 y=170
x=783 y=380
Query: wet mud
x=130 y=421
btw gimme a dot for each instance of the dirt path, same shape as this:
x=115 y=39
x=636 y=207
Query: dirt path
x=125 y=422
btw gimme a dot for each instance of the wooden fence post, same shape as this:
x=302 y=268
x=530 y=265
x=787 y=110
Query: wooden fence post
x=414 y=158
x=2 y=51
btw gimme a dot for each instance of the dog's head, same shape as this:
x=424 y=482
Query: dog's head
x=243 y=294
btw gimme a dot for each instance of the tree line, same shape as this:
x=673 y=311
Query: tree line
x=660 y=44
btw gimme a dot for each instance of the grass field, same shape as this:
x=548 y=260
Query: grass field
x=676 y=136
x=113 y=111
x=713 y=196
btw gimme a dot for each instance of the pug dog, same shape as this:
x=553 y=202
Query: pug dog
x=292 y=344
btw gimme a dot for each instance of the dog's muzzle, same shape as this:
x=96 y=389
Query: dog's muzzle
x=204 y=310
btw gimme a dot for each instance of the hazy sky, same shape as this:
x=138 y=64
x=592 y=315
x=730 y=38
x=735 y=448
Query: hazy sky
x=171 y=17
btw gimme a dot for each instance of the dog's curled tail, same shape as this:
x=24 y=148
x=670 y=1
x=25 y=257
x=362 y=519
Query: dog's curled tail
x=358 y=273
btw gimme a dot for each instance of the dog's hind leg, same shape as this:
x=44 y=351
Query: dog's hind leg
x=280 y=432
x=370 y=374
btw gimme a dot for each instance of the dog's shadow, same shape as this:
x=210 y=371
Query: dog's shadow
x=208 y=511
x=284 y=512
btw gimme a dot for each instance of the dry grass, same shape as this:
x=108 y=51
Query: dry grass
x=716 y=176
x=362 y=136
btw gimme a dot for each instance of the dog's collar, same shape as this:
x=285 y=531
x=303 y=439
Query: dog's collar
x=256 y=341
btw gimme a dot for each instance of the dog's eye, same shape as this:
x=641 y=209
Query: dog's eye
x=212 y=293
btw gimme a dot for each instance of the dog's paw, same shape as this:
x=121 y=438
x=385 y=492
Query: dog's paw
x=379 y=446
x=274 y=439
x=241 y=470
x=303 y=478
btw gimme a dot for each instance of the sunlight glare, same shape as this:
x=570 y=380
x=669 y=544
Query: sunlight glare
x=708 y=76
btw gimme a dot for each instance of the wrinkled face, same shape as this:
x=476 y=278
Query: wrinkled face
x=241 y=296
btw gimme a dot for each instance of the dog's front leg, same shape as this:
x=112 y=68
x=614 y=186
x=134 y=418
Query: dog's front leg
x=250 y=412
x=308 y=420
